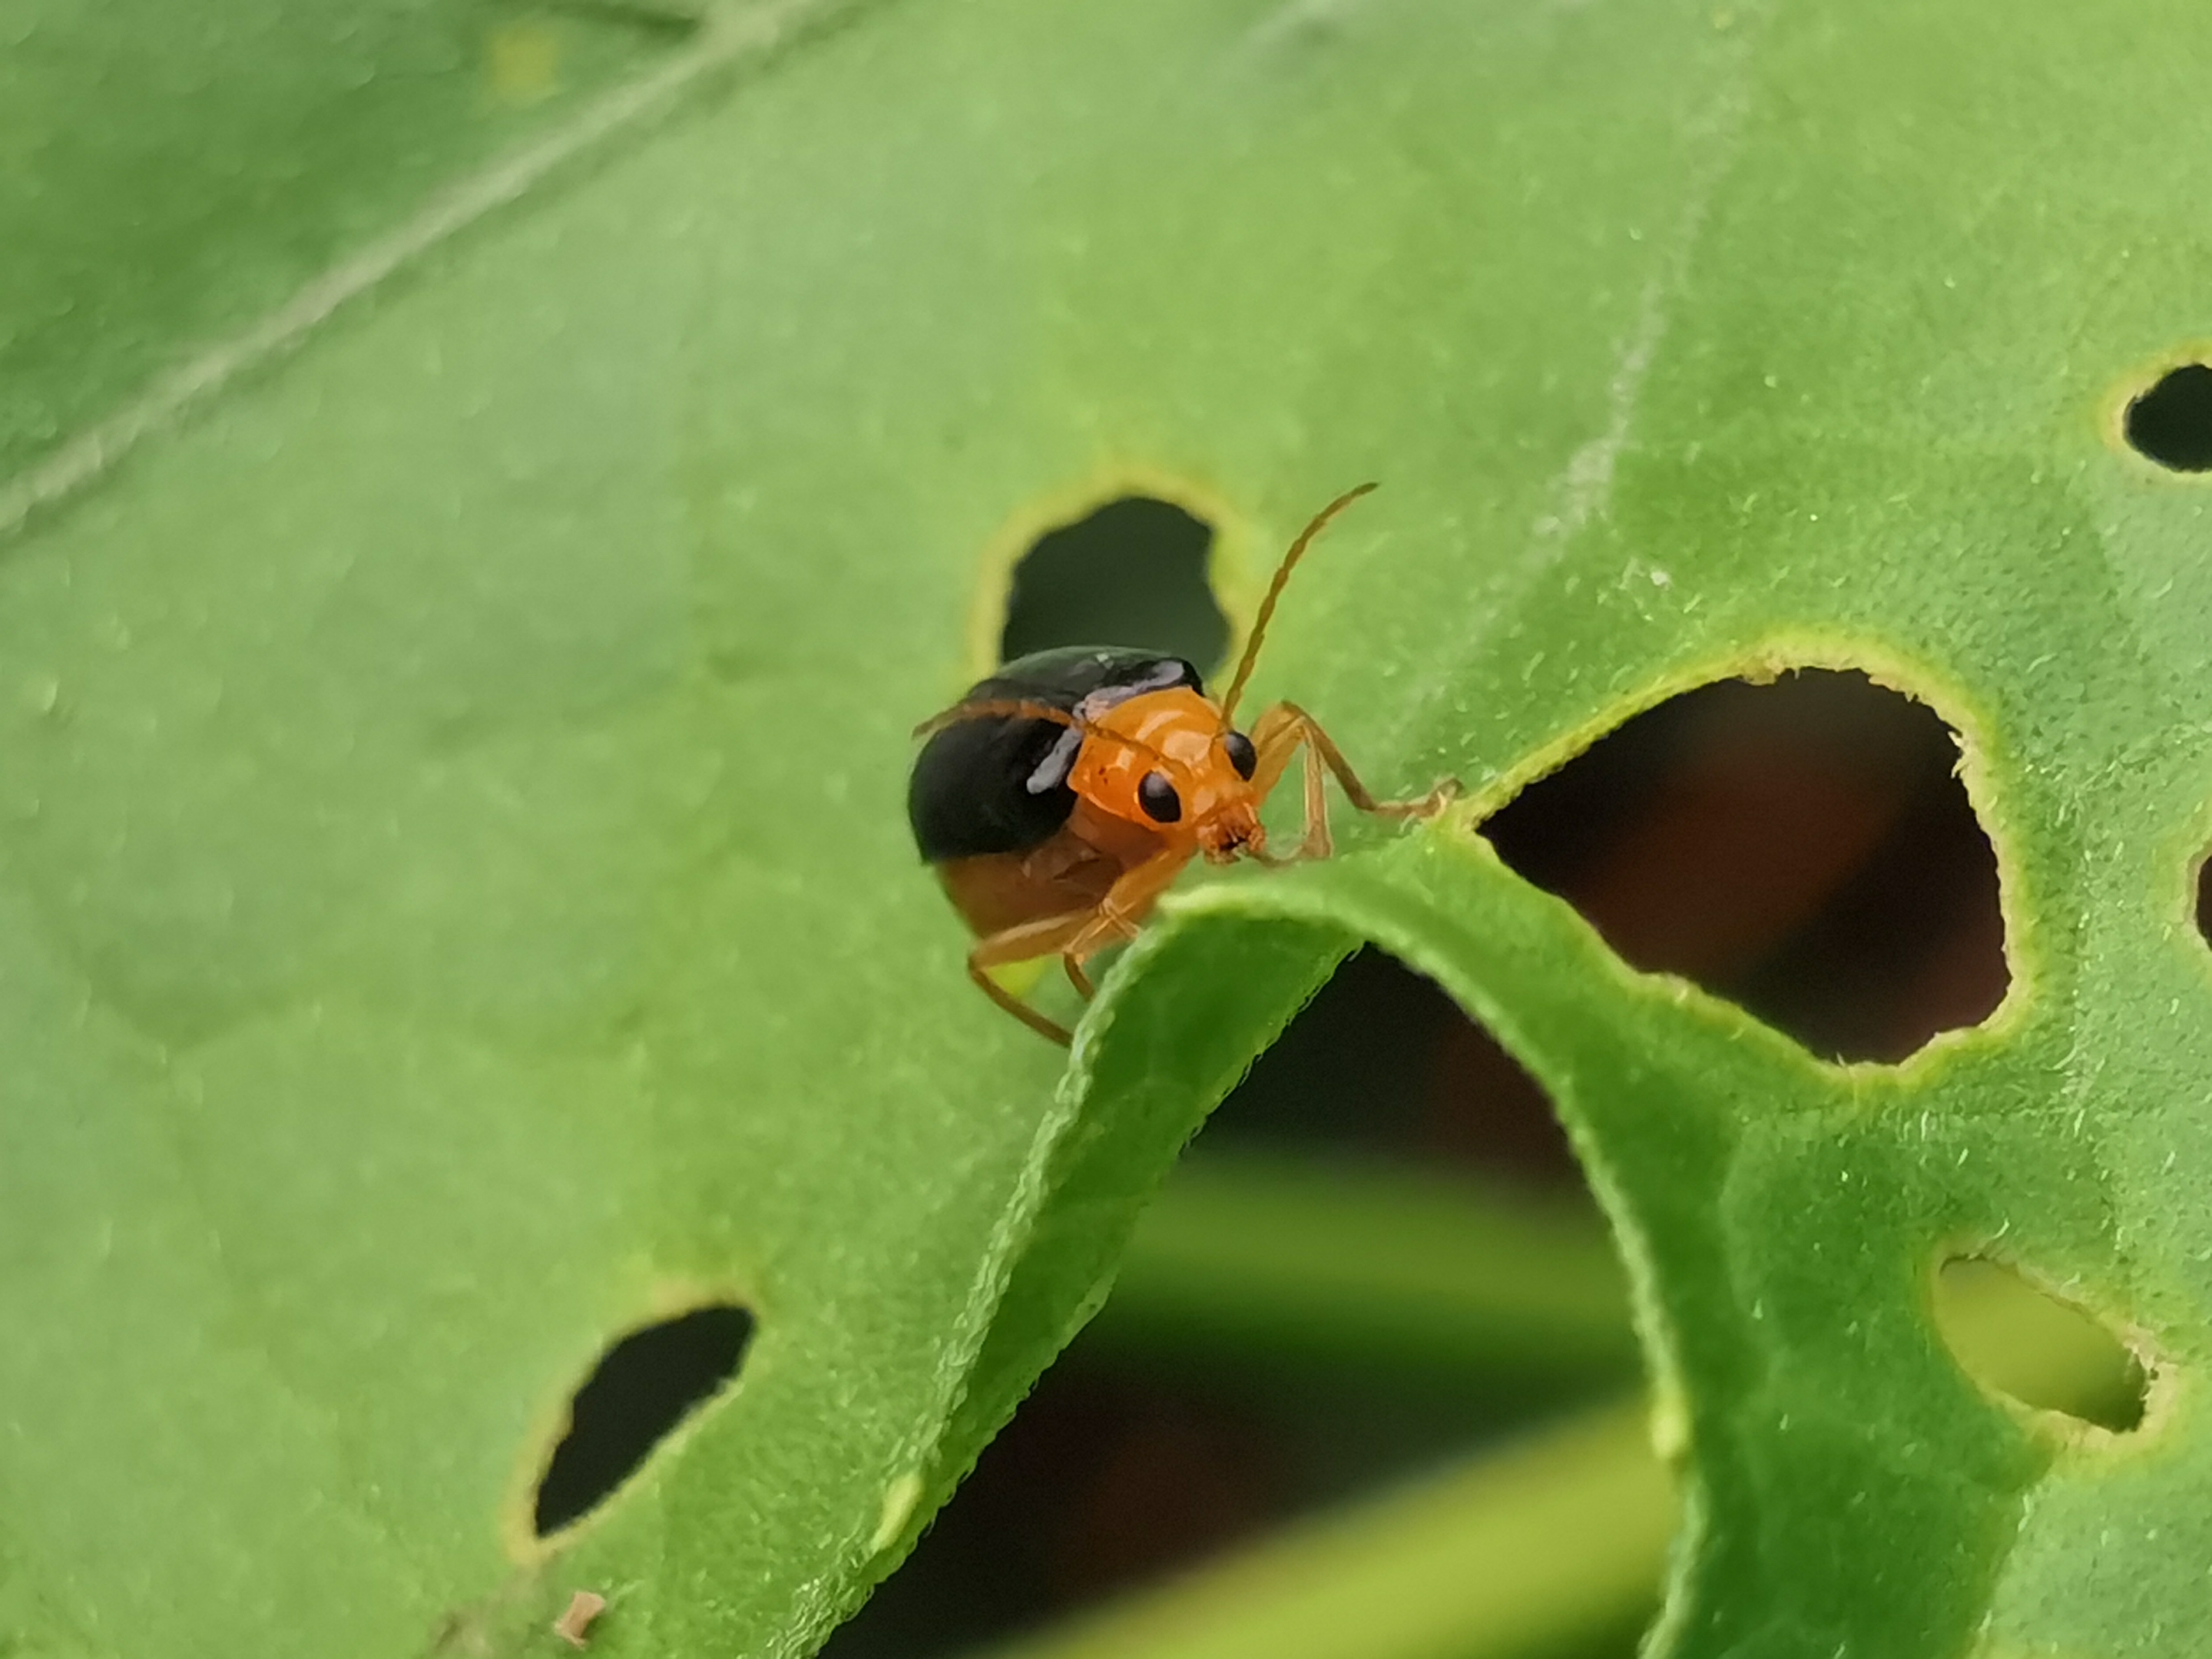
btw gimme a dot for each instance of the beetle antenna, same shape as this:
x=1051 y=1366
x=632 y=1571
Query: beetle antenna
x=1021 y=709
x=994 y=708
x=1275 y=591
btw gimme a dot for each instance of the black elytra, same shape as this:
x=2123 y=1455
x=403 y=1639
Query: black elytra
x=1000 y=784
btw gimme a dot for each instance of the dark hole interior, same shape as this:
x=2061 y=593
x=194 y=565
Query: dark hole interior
x=1159 y=1441
x=2018 y=1338
x=2204 y=898
x=1803 y=848
x=1131 y=573
x=1383 y=1065
x=2172 y=423
x=642 y=1387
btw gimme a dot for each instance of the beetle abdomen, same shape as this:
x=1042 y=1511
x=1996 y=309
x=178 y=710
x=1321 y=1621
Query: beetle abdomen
x=1000 y=784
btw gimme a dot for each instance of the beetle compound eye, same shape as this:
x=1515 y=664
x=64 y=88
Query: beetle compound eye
x=1242 y=756
x=1159 y=799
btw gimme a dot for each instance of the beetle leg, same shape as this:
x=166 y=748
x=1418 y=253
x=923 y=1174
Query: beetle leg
x=1022 y=943
x=1281 y=732
x=1128 y=903
x=1079 y=978
x=1075 y=936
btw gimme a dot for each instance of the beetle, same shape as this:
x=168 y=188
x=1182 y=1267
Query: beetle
x=1059 y=798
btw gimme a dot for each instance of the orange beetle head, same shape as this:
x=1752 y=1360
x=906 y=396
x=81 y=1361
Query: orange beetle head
x=1167 y=761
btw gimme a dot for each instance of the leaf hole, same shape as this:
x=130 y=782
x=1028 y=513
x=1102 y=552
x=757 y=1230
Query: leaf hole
x=2016 y=1338
x=1384 y=1063
x=1803 y=848
x=643 y=1386
x=1131 y=573
x=2170 y=422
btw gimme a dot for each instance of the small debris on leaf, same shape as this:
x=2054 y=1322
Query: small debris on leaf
x=574 y=1626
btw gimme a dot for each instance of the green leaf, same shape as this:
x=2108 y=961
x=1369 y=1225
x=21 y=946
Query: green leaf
x=188 y=186
x=455 y=906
